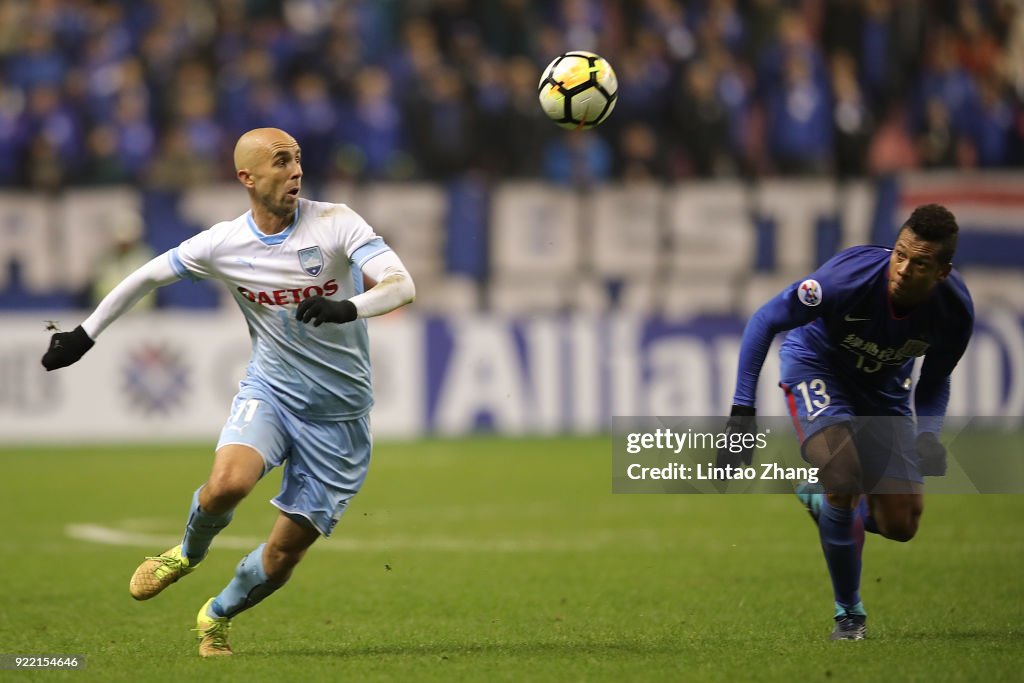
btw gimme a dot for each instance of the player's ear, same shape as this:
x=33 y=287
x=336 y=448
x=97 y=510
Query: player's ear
x=944 y=270
x=244 y=177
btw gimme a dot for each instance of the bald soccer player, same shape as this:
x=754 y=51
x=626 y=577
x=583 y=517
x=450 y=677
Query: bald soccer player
x=295 y=267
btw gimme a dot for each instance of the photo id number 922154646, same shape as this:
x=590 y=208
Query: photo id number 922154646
x=41 y=662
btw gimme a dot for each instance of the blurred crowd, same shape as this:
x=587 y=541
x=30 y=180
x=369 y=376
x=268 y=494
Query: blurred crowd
x=155 y=92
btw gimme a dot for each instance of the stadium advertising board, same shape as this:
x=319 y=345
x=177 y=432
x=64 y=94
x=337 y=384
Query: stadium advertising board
x=170 y=377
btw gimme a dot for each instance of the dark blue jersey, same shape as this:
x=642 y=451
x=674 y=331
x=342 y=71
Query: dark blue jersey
x=841 y=317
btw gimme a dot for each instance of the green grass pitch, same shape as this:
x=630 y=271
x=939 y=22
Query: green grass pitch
x=497 y=560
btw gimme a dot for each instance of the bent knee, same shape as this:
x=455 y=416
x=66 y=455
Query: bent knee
x=897 y=517
x=227 y=488
x=901 y=532
x=841 y=483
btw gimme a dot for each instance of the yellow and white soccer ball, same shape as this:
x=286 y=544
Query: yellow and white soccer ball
x=578 y=90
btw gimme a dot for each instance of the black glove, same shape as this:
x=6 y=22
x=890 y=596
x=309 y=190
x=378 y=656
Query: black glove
x=741 y=421
x=66 y=348
x=321 y=310
x=931 y=455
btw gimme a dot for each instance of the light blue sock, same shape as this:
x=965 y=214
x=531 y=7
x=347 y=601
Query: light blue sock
x=248 y=588
x=857 y=611
x=201 y=529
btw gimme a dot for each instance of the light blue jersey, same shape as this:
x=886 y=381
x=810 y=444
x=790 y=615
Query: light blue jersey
x=320 y=373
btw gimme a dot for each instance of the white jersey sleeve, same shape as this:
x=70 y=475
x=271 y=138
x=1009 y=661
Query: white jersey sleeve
x=355 y=233
x=193 y=258
x=394 y=286
x=156 y=273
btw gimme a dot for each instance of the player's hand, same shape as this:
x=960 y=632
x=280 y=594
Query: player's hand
x=66 y=348
x=320 y=310
x=931 y=455
x=741 y=421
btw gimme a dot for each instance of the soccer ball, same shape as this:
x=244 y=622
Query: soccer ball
x=578 y=90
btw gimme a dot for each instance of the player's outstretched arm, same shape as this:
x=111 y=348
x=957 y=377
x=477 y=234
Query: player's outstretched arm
x=784 y=312
x=394 y=289
x=67 y=348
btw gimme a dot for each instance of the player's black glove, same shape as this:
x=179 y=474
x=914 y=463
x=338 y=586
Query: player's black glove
x=741 y=421
x=319 y=310
x=66 y=348
x=931 y=455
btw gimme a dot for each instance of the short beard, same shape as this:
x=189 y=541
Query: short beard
x=278 y=209
x=282 y=211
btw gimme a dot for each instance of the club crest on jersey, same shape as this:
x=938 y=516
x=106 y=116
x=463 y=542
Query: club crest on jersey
x=809 y=292
x=311 y=260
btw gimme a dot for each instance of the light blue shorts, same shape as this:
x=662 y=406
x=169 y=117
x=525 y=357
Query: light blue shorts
x=325 y=463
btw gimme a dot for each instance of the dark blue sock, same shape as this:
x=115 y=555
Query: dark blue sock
x=839 y=541
x=864 y=513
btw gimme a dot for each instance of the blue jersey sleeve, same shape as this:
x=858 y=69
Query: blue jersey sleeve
x=784 y=312
x=822 y=293
x=931 y=396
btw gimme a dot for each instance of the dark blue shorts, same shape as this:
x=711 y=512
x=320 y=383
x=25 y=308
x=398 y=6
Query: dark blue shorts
x=884 y=431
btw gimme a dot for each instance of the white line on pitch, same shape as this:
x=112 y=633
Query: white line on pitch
x=95 y=533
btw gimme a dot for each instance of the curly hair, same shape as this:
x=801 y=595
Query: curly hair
x=935 y=223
